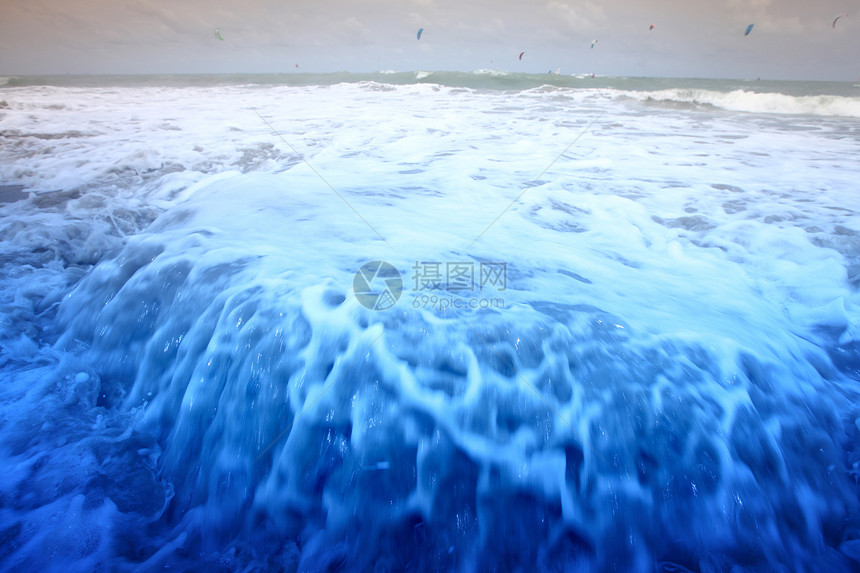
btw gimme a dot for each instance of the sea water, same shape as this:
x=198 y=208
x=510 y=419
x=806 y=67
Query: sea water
x=429 y=321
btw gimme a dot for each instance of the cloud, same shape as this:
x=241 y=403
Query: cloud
x=769 y=18
x=353 y=29
x=582 y=18
x=103 y=36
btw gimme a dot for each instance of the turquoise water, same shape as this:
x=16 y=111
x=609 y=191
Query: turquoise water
x=482 y=79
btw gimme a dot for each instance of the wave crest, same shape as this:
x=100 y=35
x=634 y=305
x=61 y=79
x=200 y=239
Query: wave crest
x=755 y=102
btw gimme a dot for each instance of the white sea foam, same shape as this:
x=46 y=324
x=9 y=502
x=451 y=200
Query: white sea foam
x=491 y=72
x=189 y=380
x=756 y=102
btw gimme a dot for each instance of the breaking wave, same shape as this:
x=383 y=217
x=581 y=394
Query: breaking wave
x=757 y=102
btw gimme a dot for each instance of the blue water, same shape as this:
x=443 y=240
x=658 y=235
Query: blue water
x=429 y=321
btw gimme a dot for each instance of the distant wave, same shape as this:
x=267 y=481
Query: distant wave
x=832 y=99
x=488 y=72
x=756 y=102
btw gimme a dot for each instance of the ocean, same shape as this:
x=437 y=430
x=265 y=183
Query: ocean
x=429 y=321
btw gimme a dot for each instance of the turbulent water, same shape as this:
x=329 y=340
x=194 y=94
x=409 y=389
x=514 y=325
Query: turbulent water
x=429 y=322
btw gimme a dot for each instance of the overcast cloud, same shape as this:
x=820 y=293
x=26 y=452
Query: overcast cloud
x=792 y=39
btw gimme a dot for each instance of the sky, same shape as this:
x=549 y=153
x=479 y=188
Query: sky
x=792 y=39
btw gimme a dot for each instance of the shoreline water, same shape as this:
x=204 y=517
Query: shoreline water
x=483 y=78
x=834 y=99
x=189 y=377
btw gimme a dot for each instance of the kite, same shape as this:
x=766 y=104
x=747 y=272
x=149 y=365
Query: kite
x=593 y=42
x=652 y=27
x=749 y=29
x=834 y=21
x=521 y=56
x=218 y=34
x=420 y=30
